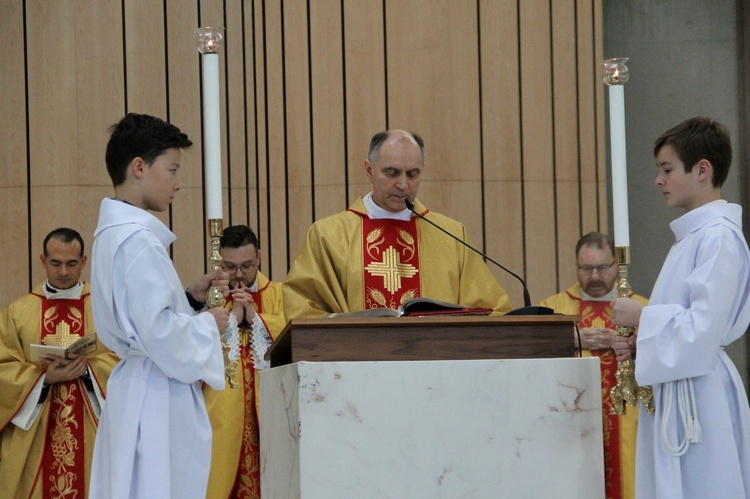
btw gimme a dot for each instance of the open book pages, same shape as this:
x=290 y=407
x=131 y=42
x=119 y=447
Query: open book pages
x=417 y=307
x=81 y=346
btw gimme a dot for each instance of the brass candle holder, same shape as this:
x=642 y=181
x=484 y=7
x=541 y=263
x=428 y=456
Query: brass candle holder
x=627 y=390
x=214 y=298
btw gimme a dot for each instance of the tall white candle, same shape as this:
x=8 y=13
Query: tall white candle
x=619 y=164
x=212 y=131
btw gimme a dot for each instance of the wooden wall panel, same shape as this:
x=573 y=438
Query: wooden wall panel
x=14 y=209
x=261 y=131
x=187 y=214
x=298 y=128
x=591 y=147
x=251 y=119
x=538 y=153
x=566 y=157
x=237 y=131
x=431 y=94
x=53 y=119
x=506 y=94
x=276 y=137
x=100 y=102
x=501 y=141
x=145 y=53
x=326 y=63
x=601 y=160
x=365 y=87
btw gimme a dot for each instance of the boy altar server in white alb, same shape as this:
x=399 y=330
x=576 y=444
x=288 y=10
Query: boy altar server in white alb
x=154 y=438
x=697 y=444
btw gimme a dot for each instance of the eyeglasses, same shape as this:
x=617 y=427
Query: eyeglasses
x=231 y=268
x=589 y=269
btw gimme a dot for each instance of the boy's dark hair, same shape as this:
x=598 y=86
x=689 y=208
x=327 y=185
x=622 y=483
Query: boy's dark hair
x=597 y=239
x=700 y=138
x=140 y=136
x=238 y=236
x=65 y=235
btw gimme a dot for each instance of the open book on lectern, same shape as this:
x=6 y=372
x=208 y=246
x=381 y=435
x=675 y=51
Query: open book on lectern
x=417 y=307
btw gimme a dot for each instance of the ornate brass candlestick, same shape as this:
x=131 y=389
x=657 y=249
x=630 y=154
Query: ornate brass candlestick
x=627 y=390
x=214 y=298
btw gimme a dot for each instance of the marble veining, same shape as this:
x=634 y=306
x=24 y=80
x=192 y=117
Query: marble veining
x=479 y=428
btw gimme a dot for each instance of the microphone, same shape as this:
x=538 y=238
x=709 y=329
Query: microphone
x=528 y=308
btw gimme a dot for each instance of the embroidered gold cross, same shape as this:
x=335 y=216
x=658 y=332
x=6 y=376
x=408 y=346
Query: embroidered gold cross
x=391 y=270
x=62 y=336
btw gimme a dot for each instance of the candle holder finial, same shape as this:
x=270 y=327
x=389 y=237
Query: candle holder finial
x=210 y=39
x=615 y=71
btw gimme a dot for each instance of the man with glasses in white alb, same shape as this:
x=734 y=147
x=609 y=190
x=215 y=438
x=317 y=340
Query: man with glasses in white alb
x=590 y=299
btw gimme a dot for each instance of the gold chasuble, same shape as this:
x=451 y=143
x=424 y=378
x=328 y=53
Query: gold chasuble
x=350 y=263
x=619 y=431
x=235 y=452
x=53 y=457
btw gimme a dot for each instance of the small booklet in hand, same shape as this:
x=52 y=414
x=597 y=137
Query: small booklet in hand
x=418 y=307
x=81 y=346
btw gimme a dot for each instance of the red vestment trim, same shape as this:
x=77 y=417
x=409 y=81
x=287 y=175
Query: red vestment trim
x=390 y=266
x=62 y=322
x=257 y=301
x=247 y=483
x=597 y=314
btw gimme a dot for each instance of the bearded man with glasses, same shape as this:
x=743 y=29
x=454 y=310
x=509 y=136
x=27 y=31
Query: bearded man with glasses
x=257 y=304
x=590 y=299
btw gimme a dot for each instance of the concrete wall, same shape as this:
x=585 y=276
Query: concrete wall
x=683 y=63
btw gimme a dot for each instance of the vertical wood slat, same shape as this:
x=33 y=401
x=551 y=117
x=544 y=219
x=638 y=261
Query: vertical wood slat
x=511 y=149
x=589 y=135
x=261 y=132
x=145 y=65
x=276 y=138
x=251 y=119
x=298 y=129
x=365 y=88
x=430 y=95
x=53 y=120
x=13 y=157
x=565 y=87
x=184 y=111
x=329 y=162
x=500 y=63
x=237 y=131
x=538 y=154
x=100 y=102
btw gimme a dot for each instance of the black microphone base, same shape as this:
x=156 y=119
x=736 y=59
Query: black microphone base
x=532 y=310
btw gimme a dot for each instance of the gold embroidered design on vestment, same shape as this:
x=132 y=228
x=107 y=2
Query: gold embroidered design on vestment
x=64 y=443
x=247 y=484
x=62 y=333
x=391 y=269
x=377 y=297
x=374 y=239
x=407 y=242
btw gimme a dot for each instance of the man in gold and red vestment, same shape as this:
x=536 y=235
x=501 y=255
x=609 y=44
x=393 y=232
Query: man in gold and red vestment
x=256 y=303
x=378 y=254
x=590 y=299
x=49 y=411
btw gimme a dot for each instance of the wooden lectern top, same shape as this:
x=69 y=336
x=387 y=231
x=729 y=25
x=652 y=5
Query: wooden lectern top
x=424 y=338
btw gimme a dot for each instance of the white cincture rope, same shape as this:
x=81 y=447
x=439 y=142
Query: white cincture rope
x=687 y=411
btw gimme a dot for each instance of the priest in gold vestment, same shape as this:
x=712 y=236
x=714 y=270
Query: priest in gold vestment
x=49 y=410
x=590 y=299
x=378 y=254
x=256 y=302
